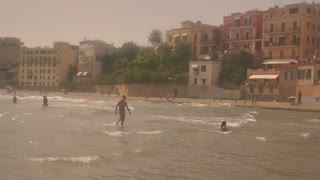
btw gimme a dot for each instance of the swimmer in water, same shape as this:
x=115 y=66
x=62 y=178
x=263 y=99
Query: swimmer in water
x=224 y=126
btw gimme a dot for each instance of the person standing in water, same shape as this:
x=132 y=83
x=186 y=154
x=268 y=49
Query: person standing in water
x=45 y=101
x=122 y=110
x=15 y=99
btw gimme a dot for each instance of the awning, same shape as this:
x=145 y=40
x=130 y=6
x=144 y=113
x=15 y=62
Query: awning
x=184 y=34
x=194 y=65
x=79 y=73
x=263 y=76
x=280 y=61
x=84 y=74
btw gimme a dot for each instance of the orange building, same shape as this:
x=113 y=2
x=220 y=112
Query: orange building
x=243 y=31
x=292 y=31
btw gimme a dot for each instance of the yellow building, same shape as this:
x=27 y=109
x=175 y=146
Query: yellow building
x=292 y=31
x=46 y=68
x=91 y=53
x=204 y=39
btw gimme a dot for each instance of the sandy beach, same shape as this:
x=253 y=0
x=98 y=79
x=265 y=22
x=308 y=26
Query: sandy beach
x=308 y=107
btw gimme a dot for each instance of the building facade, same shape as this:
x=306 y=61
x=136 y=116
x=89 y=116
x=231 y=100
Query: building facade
x=292 y=31
x=90 y=57
x=46 y=68
x=204 y=39
x=243 y=31
x=9 y=57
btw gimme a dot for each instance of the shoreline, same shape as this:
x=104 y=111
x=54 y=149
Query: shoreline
x=304 y=107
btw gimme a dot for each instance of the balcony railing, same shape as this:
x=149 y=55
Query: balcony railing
x=265 y=84
x=276 y=44
x=245 y=39
x=287 y=30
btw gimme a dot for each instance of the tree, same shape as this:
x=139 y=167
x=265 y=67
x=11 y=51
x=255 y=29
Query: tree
x=234 y=66
x=155 y=37
x=129 y=50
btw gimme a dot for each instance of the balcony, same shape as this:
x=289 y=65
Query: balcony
x=278 y=30
x=277 y=44
x=244 y=39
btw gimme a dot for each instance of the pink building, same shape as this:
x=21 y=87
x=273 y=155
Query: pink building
x=243 y=31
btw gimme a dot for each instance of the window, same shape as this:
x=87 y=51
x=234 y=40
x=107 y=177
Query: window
x=304 y=74
x=246 y=46
x=295 y=25
x=293 y=54
x=204 y=50
x=177 y=39
x=288 y=75
x=294 y=39
x=247 y=35
x=271 y=90
x=260 y=90
x=195 y=81
x=203 y=81
x=309 y=10
x=237 y=35
x=282 y=40
x=283 y=27
x=203 y=68
x=195 y=71
x=270 y=54
x=237 y=23
x=251 y=89
x=281 y=54
x=195 y=38
x=247 y=21
x=293 y=10
x=195 y=50
x=204 y=37
x=271 y=27
x=307 y=40
x=308 y=25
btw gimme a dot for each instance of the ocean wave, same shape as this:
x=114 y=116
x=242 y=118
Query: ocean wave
x=305 y=135
x=121 y=133
x=313 y=120
x=261 y=138
x=81 y=159
x=222 y=132
x=253 y=112
x=149 y=132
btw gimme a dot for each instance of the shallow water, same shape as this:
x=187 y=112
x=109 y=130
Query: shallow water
x=76 y=139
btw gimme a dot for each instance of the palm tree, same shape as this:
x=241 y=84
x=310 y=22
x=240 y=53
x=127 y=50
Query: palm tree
x=155 y=37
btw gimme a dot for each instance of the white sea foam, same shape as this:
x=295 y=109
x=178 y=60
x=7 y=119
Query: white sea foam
x=21 y=122
x=121 y=133
x=13 y=119
x=222 y=132
x=253 y=112
x=116 y=133
x=314 y=120
x=149 y=132
x=261 y=138
x=305 y=135
x=81 y=159
x=137 y=150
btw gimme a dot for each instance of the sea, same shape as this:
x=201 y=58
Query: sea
x=76 y=139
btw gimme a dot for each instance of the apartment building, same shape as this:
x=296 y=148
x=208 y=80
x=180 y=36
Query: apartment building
x=45 y=67
x=9 y=57
x=243 y=31
x=204 y=39
x=91 y=53
x=292 y=31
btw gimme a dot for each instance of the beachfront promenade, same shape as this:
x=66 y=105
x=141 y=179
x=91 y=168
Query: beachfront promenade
x=309 y=107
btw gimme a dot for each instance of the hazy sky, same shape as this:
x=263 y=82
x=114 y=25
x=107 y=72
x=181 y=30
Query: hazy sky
x=41 y=22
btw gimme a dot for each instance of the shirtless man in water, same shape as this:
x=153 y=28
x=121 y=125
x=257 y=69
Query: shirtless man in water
x=122 y=109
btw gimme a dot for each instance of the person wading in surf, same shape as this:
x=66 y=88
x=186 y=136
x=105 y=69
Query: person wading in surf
x=122 y=110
